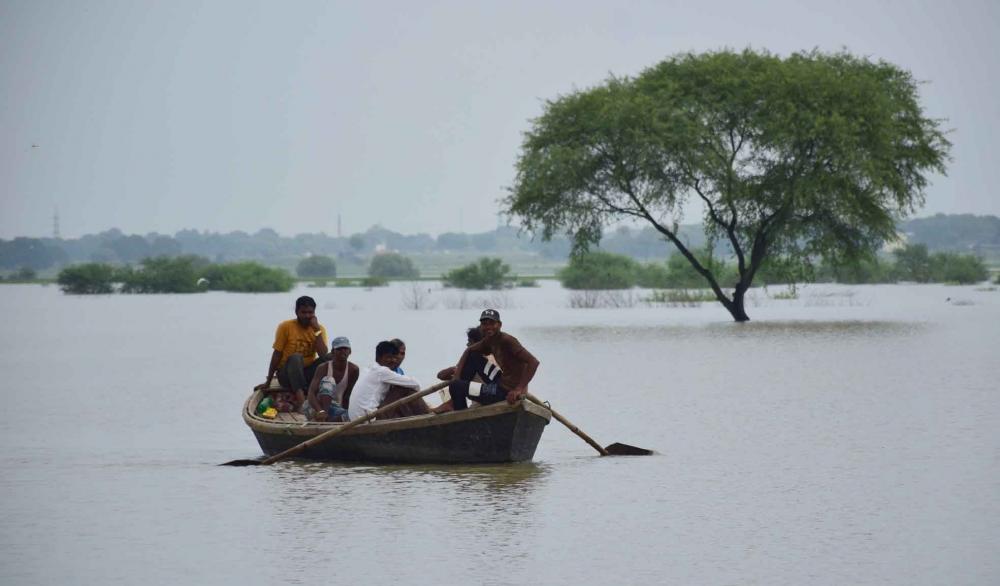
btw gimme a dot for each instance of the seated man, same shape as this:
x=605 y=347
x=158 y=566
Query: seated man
x=299 y=347
x=479 y=370
x=518 y=366
x=402 y=354
x=331 y=386
x=372 y=388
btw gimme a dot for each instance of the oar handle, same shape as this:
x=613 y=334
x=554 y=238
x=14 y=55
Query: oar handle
x=569 y=425
x=351 y=425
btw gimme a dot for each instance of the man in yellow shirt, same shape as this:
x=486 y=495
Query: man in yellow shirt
x=300 y=345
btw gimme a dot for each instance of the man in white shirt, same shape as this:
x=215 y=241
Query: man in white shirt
x=374 y=383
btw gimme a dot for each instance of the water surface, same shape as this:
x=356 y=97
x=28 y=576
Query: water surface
x=845 y=437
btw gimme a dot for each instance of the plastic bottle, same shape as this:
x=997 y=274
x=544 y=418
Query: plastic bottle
x=263 y=406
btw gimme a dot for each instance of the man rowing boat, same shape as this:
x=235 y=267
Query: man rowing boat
x=518 y=366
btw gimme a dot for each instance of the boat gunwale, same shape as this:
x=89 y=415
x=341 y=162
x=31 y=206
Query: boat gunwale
x=312 y=428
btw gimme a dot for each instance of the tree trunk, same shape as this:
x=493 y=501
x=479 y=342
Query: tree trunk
x=735 y=306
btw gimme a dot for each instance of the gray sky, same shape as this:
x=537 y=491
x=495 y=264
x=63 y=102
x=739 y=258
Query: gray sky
x=157 y=116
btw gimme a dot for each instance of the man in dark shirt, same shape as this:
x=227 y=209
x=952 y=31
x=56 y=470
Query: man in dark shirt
x=517 y=364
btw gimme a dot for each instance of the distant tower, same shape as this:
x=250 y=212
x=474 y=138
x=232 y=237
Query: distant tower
x=340 y=233
x=55 y=223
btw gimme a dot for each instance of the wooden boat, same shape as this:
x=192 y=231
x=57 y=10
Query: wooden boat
x=492 y=433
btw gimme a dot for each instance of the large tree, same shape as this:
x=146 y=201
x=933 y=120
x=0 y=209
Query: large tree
x=812 y=155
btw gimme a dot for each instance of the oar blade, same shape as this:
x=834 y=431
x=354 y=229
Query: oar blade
x=242 y=463
x=619 y=449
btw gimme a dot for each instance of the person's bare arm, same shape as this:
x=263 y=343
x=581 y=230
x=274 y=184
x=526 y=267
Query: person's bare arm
x=461 y=363
x=312 y=396
x=353 y=372
x=319 y=344
x=531 y=365
x=271 y=369
x=446 y=373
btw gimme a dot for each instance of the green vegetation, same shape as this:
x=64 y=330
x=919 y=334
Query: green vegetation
x=391 y=265
x=247 y=277
x=487 y=273
x=913 y=263
x=370 y=282
x=22 y=275
x=604 y=270
x=681 y=296
x=965 y=233
x=772 y=147
x=963 y=269
x=87 y=279
x=163 y=275
x=316 y=266
x=791 y=293
x=869 y=269
x=183 y=274
x=652 y=276
x=599 y=270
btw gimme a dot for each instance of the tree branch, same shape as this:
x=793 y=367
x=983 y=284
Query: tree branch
x=628 y=189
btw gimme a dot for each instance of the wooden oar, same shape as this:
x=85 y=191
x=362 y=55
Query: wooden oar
x=328 y=434
x=615 y=449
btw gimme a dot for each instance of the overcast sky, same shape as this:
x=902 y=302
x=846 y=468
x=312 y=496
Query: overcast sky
x=158 y=116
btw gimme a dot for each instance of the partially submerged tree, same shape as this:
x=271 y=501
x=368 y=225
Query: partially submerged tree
x=486 y=273
x=316 y=265
x=813 y=155
x=392 y=265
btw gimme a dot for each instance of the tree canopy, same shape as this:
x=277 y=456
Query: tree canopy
x=811 y=155
x=392 y=265
x=486 y=273
x=317 y=265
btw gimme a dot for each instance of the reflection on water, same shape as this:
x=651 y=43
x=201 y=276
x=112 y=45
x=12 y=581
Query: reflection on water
x=486 y=478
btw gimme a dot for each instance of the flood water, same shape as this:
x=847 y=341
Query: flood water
x=850 y=436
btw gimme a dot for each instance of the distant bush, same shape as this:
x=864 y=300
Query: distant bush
x=599 y=270
x=681 y=275
x=391 y=265
x=316 y=266
x=778 y=270
x=788 y=294
x=594 y=299
x=997 y=280
x=913 y=263
x=248 y=277
x=527 y=282
x=964 y=269
x=374 y=282
x=652 y=276
x=684 y=297
x=87 y=279
x=23 y=274
x=859 y=272
x=487 y=273
x=163 y=275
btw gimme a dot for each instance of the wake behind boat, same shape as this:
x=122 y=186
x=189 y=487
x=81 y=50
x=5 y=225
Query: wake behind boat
x=493 y=433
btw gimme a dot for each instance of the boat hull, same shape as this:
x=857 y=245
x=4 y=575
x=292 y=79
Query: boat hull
x=494 y=433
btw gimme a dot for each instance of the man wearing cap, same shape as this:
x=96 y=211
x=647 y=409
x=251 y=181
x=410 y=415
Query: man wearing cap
x=299 y=347
x=518 y=366
x=343 y=374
